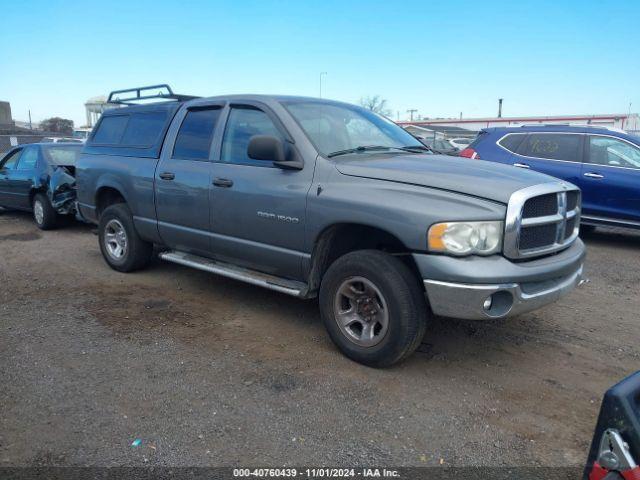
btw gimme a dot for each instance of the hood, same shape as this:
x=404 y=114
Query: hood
x=493 y=181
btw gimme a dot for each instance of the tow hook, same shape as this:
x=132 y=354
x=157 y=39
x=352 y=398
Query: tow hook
x=614 y=457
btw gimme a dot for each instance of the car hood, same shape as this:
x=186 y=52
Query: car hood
x=493 y=181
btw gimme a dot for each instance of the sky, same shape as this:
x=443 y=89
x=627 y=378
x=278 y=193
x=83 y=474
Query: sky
x=442 y=58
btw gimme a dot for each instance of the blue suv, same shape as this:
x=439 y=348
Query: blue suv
x=603 y=162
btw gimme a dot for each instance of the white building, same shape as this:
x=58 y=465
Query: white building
x=94 y=108
x=622 y=121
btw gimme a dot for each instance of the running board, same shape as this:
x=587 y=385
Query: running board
x=290 y=287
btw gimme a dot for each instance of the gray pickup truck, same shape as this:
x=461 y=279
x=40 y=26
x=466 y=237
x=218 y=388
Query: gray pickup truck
x=317 y=198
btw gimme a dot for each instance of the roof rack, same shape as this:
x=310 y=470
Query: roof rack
x=165 y=93
x=576 y=125
x=580 y=125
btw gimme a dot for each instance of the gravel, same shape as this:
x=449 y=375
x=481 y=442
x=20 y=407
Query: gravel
x=207 y=371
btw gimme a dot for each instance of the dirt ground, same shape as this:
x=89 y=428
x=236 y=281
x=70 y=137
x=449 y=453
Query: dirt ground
x=209 y=371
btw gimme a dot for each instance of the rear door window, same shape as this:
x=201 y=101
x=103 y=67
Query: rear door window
x=28 y=159
x=194 y=137
x=552 y=146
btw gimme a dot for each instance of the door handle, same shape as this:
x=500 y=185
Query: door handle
x=167 y=176
x=222 y=182
x=593 y=175
x=521 y=165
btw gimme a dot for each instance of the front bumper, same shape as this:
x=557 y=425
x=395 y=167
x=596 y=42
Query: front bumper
x=479 y=288
x=461 y=300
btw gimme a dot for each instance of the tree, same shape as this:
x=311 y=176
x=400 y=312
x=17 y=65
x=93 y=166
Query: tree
x=376 y=104
x=57 y=125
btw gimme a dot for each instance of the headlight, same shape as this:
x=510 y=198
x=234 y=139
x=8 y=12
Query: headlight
x=466 y=238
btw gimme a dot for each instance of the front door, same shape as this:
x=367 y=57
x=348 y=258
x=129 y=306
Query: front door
x=183 y=178
x=7 y=167
x=610 y=179
x=556 y=154
x=258 y=208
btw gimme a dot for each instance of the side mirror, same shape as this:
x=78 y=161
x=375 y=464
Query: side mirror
x=271 y=149
x=266 y=147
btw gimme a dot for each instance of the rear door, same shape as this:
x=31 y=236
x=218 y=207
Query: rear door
x=7 y=167
x=21 y=178
x=610 y=179
x=183 y=178
x=557 y=154
x=258 y=209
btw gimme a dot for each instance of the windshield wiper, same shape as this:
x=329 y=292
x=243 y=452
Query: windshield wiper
x=369 y=148
x=417 y=148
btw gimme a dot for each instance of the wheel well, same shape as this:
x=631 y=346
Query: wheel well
x=338 y=240
x=34 y=192
x=106 y=197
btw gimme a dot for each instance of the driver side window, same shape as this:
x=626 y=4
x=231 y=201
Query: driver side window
x=10 y=161
x=244 y=123
x=612 y=152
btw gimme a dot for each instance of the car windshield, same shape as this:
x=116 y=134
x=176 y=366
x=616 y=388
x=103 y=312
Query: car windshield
x=337 y=129
x=60 y=154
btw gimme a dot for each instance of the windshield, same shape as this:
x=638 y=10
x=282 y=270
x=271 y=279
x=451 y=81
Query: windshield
x=337 y=128
x=66 y=155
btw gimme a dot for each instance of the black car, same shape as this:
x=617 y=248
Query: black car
x=40 y=177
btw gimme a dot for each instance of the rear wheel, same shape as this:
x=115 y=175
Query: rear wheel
x=44 y=215
x=121 y=246
x=373 y=307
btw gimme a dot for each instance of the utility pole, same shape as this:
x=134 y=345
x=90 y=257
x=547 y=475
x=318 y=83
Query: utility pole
x=500 y=108
x=411 y=112
x=321 y=74
x=30 y=127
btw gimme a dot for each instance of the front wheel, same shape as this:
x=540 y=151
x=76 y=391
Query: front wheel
x=373 y=307
x=121 y=246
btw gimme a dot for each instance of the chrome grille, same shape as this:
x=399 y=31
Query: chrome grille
x=540 y=206
x=538 y=236
x=541 y=219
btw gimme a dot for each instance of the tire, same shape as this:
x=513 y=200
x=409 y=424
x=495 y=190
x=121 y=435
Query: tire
x=44 y=215
x=382 y=283
x=120 y=244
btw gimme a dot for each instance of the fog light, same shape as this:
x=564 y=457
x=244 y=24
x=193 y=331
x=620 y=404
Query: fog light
x=487 y=303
